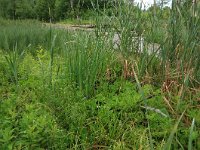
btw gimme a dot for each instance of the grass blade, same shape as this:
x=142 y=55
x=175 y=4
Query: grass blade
x=145 y=102
x=190 y=137
x=170 y=139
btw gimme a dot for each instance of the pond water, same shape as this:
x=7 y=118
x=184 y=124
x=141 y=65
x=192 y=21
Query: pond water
x=138 y=44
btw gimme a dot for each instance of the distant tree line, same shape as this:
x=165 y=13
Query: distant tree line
x=54 y=9
x=64 y=9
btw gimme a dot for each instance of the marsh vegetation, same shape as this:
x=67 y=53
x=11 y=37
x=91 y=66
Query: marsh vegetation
x=64 y=88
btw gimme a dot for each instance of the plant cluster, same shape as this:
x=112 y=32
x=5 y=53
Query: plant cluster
x=66 y=89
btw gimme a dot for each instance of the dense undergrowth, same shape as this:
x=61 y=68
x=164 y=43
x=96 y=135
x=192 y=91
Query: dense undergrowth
x=35 y=114
x=64 y=89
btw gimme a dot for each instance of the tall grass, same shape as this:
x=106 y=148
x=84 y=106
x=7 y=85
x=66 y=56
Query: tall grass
x=30 y=35
x=13 y=60
x=24 y=33
x=85 y=57
x=83 y=61
x=177 y=37
x=86 y=61
x=174 y=65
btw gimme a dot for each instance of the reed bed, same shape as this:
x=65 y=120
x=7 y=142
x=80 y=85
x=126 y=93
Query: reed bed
x=73 y=89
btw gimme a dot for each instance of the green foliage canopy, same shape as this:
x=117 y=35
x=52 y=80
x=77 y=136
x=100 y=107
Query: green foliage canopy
x=49 y=9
